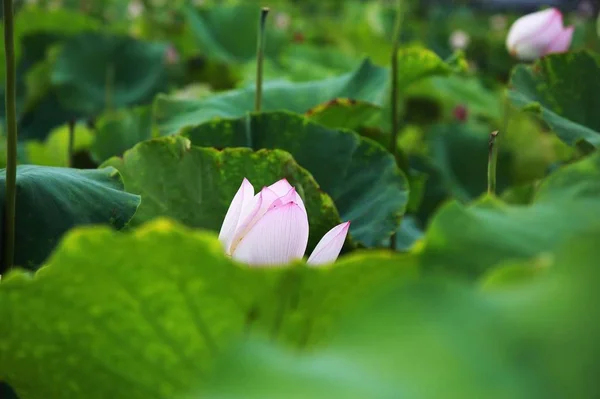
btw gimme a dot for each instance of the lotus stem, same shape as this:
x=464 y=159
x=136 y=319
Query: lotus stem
x=11 y=136
x=492 y=161
x=394 y=93
x=71 y=143
x=260 y=54
x=109 y=83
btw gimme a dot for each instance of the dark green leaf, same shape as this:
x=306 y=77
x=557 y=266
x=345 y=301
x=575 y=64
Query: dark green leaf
x=228 y=33
x=50 y=201
x=564 y=88
x=94 y=72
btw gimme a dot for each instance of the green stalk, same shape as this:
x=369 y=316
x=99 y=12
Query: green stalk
x=492 y=161
x=71 y=142
x=394 y=92
x=109 y=82
x=260 y=52
x=11 y=136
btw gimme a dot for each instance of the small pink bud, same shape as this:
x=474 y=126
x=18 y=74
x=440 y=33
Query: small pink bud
x=460 y=113
x=282 y=21
x=135 y=8
x=171 y=55
x=537 y=34
x=459 y=40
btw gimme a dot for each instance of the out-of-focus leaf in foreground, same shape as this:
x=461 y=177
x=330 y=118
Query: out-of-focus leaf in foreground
x=535 y=340
x=146 y=318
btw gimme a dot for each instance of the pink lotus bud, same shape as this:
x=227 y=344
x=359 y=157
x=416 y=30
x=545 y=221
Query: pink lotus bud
x=537 y=34
x=171 y=55
x=459 y=40
x=460 y=113
x=135 y=8
x=271 y=228
x=282 y=21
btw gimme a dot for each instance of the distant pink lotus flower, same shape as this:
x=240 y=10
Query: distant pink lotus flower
x=459 y=40
x=537 y=34
x=171 y=55
x=271 y=228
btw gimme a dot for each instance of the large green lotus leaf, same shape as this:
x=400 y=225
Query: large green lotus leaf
x=366 y=83
x=196 y=185
x=118 y=131
x=54 y=151
x=511 y=343
x=52 y=200
x=361 y=176
x=93 y=72
x=228 y=33
x=564 y=88
x=344 y=113
x=491 y=231
x=146 y=318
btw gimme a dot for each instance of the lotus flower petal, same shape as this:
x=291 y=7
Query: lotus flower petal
x=259 y=206
x=243 y=197
x=279 y=237
x=562 y=42
x=283 y=187
x=533 y=35
x=328 y=249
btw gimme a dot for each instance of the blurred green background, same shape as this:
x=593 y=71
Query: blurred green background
x=124 y=72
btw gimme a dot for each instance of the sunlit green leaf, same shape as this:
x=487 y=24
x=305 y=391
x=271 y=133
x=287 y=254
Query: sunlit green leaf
x=195 y=185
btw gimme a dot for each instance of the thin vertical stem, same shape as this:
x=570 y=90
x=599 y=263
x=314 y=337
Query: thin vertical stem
x=394 y=78
x=492 y=161
x=71 y=142
x=11 y=136
x=109 y=83
x=260 y=53
x=394 y=92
